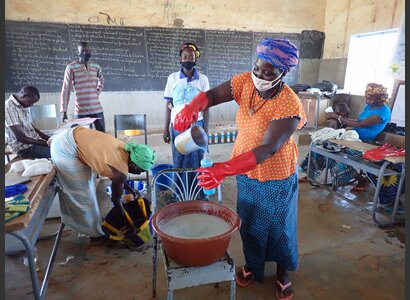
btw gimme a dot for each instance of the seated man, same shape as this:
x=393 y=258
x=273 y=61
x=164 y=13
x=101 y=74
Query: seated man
x=25 y=139
x=341 y=109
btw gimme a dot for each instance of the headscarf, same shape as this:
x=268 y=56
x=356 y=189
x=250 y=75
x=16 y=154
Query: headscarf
x=191 y=46
x=376 y=91
x=141 y=155
x=279 y=52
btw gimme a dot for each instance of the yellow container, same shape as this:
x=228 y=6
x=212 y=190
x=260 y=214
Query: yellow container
x=132 y=132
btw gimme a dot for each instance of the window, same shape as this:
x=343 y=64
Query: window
x=369 y=58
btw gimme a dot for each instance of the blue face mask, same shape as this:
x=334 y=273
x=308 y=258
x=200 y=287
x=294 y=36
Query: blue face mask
x=85 y=56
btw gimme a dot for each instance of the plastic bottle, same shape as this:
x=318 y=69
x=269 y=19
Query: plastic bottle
x=210 y=138
x=228 y=137
x=216 y=137
x=222 y=137
x=233 y=136
x=206 y=162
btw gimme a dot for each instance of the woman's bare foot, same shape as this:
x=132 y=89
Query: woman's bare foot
x=283 y=277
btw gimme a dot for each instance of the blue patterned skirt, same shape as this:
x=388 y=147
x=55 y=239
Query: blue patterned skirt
x=341 y=173
x=269 y=222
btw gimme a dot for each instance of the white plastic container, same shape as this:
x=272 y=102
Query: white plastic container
x=192 y=139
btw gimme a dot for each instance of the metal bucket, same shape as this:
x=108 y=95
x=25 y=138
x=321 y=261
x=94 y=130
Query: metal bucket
x=192 y=139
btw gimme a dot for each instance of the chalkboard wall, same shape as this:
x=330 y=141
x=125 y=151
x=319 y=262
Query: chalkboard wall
x=134 y=58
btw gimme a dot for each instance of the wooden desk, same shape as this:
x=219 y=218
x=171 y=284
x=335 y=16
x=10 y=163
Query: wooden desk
x=362 y=164
x=41 y=192
x=36 y=189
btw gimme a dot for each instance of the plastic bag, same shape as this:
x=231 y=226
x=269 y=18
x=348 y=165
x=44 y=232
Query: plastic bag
x=326 y=133
x=38 y=169
x=350 y=135
x=17 y=167
x=29 y=162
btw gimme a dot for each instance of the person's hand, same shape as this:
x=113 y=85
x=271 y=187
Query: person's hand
x=185 y=118
x=332 y=115
x=49 y=141
x=63 y=117
x=119 y=209
x=189 y=114
x=213 y=176
x=166 y=136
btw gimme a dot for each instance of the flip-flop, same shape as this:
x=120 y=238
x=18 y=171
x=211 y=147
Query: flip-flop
x=358 y=189
x=247 y=277
x=282 y=288
x=303 y=180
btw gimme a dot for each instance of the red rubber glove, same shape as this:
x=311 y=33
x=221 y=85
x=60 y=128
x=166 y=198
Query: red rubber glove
x=213 y=176
x=189 y=114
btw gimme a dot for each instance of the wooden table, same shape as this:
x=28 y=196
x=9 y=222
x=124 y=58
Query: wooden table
x=41 y=191
x=365 y=165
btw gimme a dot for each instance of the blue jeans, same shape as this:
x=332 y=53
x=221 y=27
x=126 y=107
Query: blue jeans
x=99 y=124
x=35 y=151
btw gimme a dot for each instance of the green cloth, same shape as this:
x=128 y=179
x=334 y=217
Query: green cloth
x=16 y=207
x=141 y=155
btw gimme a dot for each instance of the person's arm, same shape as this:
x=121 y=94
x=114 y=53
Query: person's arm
x=277 y=133
x=166 y=134
x=206 y=119
x=41 y=134
x=202 y=101
x=219 y=94
x=117 y=189
x=101 y=80
x=369 y=121
x=205 y=88
x=22 y=138
x=65 y=93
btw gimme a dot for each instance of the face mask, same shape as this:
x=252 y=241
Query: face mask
x=85 y=56
x=264 y=85
x=188 y=65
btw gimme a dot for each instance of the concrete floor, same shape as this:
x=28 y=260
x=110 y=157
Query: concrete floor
x=342 y=255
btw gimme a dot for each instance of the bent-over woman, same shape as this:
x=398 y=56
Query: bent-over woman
x=79 y=154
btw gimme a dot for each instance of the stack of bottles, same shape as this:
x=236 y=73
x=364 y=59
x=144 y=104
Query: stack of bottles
x=222 y=137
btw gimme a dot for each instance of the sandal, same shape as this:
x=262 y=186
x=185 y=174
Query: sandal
x=358 y=188
x=243 y=278
x=303 y=180
x=282 y=288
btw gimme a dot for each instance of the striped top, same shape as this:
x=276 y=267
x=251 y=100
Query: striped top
x=252 y=128
x=88 y=84
x=16 y=114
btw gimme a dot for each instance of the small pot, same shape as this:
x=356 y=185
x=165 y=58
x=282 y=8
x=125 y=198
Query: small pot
x=192 y=139
x=196 y=252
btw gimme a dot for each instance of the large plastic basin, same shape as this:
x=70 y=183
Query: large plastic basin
x=195 y=252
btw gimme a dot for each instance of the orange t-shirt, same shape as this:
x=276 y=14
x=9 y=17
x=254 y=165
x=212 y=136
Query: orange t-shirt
x=98 y=150
x=252 y=129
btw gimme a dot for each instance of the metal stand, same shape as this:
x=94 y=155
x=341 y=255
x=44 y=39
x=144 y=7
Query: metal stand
x=179 y=277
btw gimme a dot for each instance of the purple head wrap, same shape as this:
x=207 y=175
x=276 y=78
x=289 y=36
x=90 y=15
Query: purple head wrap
x=279 y=52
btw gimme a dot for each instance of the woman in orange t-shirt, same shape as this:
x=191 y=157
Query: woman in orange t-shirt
x=264 y=159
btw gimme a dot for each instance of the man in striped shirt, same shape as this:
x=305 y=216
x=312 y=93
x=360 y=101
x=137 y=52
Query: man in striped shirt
x=87 y=79
x=25 y=139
